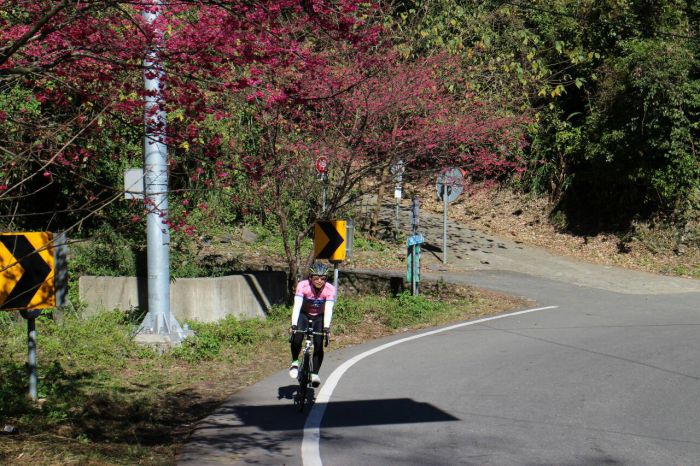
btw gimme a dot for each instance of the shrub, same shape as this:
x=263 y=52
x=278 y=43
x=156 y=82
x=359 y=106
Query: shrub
x=406 y=310
x=203 y=346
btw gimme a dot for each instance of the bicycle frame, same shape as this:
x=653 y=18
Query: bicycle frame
x=306 y=367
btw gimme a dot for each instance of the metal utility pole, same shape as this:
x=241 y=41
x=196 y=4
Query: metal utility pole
x=159 y=320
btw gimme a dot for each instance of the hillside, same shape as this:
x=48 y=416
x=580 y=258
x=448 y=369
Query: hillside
x=528 y=220
x=502 y=213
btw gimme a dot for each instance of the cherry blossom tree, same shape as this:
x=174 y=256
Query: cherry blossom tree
x=254 y=92
x=70 y=80
x=364 y=111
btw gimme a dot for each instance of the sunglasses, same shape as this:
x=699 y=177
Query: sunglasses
x=323 y=277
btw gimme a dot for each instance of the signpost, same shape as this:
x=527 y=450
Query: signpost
x=415 y=212
x=413 y=242
x=413 y=261
x=60 y=254
x=27 y=284
x=397 y=170
x=322 y=168
x=450 y=184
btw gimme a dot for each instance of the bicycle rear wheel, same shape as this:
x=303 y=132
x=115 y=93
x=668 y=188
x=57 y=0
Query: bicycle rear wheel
x=304 y=372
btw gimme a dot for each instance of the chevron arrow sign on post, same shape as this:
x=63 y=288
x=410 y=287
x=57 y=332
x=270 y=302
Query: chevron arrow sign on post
x=329 y=240
x=26 y=271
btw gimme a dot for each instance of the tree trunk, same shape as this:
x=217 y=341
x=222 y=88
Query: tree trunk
x=284 y=230
x=374 y=223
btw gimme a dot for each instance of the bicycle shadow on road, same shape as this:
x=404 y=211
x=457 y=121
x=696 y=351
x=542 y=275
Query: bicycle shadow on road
x=266 y=431
x=342 y=413
x=291 y=392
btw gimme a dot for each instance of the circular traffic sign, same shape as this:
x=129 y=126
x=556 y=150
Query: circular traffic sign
x=452 y=180
x=397 y=169
x=322 y=164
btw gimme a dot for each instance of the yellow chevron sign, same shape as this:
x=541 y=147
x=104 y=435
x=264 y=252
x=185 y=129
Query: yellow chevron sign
x=26 y=271
x=329 y=240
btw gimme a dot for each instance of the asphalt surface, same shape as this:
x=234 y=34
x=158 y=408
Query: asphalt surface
x=609 y=374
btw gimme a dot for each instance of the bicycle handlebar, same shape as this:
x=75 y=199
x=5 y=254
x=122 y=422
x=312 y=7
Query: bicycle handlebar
x=306 y=332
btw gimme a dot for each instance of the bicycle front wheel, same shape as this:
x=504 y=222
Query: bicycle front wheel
x=304 y=372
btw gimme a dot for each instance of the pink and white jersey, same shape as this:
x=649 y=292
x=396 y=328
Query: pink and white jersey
x=314 y=303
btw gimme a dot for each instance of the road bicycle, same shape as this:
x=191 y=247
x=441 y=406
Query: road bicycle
x=306 y=366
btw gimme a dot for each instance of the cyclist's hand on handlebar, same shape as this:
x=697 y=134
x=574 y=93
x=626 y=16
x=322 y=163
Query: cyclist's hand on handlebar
x=326 y=330
x=292 y=329
x=327 y=335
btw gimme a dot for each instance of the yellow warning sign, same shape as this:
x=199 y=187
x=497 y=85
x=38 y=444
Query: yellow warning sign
x=27 y=271
x=329 y=240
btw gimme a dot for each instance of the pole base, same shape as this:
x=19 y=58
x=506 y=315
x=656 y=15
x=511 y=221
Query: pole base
x=153 y=332
x=160 y=343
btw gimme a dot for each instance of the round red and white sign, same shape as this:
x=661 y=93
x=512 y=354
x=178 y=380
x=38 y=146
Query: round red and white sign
x=322 y=164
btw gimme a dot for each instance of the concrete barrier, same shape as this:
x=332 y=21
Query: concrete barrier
x=249 y=294
x=203 y=299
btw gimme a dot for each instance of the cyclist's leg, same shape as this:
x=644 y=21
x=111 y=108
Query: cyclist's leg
x=298 y=338
x=318 y=344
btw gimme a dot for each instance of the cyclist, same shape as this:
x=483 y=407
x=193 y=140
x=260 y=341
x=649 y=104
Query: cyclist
x=313 y=300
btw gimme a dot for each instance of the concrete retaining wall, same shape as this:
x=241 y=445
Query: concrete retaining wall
x=244 y=295
x=203 y=299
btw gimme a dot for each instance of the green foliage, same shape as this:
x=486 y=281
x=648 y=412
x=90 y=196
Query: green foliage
x=643 y=128
x=107 y=253
x=279 y=312
x=407 y=310
x=268 y=237
x=513 y=51
x=404 y=310
x=102 y=339
x=234 y=331
x=349 y=312
x=614 y=88
x=229 y=333
x=19 y=100
x=13 y=389
x=362 y=242
x=557 y=142
x=204 y=345
x=5 y=320
x=72 y=349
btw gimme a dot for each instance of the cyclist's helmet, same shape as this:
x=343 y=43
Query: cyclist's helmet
x=317 y=268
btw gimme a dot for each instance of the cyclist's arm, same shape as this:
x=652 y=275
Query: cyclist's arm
x=296 y=308
x=328 y=314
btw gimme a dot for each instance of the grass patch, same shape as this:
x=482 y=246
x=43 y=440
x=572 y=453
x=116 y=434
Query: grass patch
x=364 y=243
x=107 y=400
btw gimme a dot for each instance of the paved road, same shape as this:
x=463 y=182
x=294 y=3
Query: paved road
x=611 y=375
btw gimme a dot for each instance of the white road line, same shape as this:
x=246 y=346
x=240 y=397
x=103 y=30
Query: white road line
x=310 y=448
